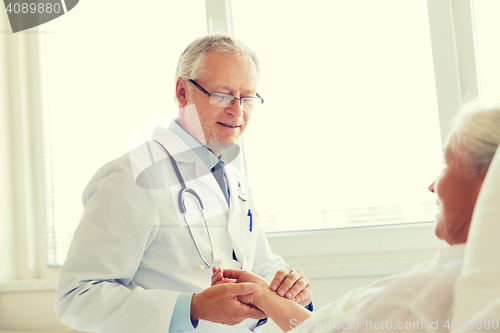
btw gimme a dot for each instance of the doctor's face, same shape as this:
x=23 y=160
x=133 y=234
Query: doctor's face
x=457 y=192
x=226 y=74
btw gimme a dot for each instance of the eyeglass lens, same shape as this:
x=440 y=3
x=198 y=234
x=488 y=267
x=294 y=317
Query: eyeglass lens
x=225 y=100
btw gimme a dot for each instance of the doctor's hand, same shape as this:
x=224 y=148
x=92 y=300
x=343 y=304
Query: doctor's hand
x=293 y=285
x=239 y=276
x=220 y=304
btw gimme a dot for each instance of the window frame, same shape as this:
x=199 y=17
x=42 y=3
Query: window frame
x=455 y=69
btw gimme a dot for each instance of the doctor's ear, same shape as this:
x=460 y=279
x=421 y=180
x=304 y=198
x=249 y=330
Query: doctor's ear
x=181 y=92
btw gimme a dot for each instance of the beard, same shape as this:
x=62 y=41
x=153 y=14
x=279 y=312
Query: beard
x=214 y=141
x=219 y=146
x=202 y=131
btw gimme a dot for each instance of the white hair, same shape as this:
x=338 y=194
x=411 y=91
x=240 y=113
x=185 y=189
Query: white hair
x=476 y=135
x=191 y=61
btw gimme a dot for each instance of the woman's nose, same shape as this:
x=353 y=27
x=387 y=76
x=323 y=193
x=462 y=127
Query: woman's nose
x=431 y=187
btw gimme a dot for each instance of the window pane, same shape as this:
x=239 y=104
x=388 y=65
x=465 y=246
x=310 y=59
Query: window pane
x=107 y=68
x=487 y=26
x=350 y=114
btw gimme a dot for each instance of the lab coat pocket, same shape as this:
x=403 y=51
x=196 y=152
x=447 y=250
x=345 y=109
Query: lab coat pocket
x=248 y=243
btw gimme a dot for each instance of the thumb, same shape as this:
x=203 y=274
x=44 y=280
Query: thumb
x=245 y=288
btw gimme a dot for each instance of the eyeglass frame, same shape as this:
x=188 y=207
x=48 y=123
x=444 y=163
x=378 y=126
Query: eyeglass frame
x=203 y=90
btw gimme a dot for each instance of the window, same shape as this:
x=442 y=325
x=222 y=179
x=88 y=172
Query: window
x=350 y=112
x=487 y=26
x=350 y=115
x=107 y=67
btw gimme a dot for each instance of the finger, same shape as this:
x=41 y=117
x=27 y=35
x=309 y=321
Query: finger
x=236 y=289
x=216 y=277
x=280 y=277
x=288 y=282
x=304 y=295
x=305 y=302
x=232 y=273
x=215 y=271
x=297 y=287
x=224 y=280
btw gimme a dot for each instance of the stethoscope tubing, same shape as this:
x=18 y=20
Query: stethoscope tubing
x=183 y=193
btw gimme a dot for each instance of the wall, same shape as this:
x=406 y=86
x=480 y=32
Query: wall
x=29 y=311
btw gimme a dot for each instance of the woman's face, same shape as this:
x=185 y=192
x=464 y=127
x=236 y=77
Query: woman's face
x=457 y=192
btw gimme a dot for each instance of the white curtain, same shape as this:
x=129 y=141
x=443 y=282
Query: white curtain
x=22 y=210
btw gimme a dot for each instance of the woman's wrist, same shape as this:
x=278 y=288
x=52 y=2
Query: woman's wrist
x=263 y=296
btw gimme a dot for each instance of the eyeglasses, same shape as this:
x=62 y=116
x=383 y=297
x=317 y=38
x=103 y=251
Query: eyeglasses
x=226 y=100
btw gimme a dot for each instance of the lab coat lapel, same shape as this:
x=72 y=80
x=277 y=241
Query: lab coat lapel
x=179 y=150
x=235 y=227
x=183 y=154
x=230 y=155
x=233 y=181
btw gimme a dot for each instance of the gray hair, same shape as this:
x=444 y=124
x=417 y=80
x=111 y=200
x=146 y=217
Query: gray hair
x=191 y=61
x=476 y=135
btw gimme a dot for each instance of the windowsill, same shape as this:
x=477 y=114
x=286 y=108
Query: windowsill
x=326 y=254
x=312 y=272
x=356 y=271
x=346 y=229
x=29 y=285
x=362 y=242
x=375 y=251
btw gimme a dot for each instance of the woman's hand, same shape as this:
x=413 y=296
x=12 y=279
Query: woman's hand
x=292 y=284
x=281 y=309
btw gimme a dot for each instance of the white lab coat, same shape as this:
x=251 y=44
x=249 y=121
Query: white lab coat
x=131 y=255
x=397 y=303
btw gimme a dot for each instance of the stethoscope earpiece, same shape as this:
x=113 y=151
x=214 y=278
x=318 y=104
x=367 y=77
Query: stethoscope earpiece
x=200 y=267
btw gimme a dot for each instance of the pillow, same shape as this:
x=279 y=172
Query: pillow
x=477 y=292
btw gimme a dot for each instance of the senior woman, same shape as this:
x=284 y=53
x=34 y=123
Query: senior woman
x=420 y=300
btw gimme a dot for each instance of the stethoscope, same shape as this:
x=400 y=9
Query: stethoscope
x=183 y=193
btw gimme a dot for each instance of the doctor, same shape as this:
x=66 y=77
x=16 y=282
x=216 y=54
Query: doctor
x=136 y=263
